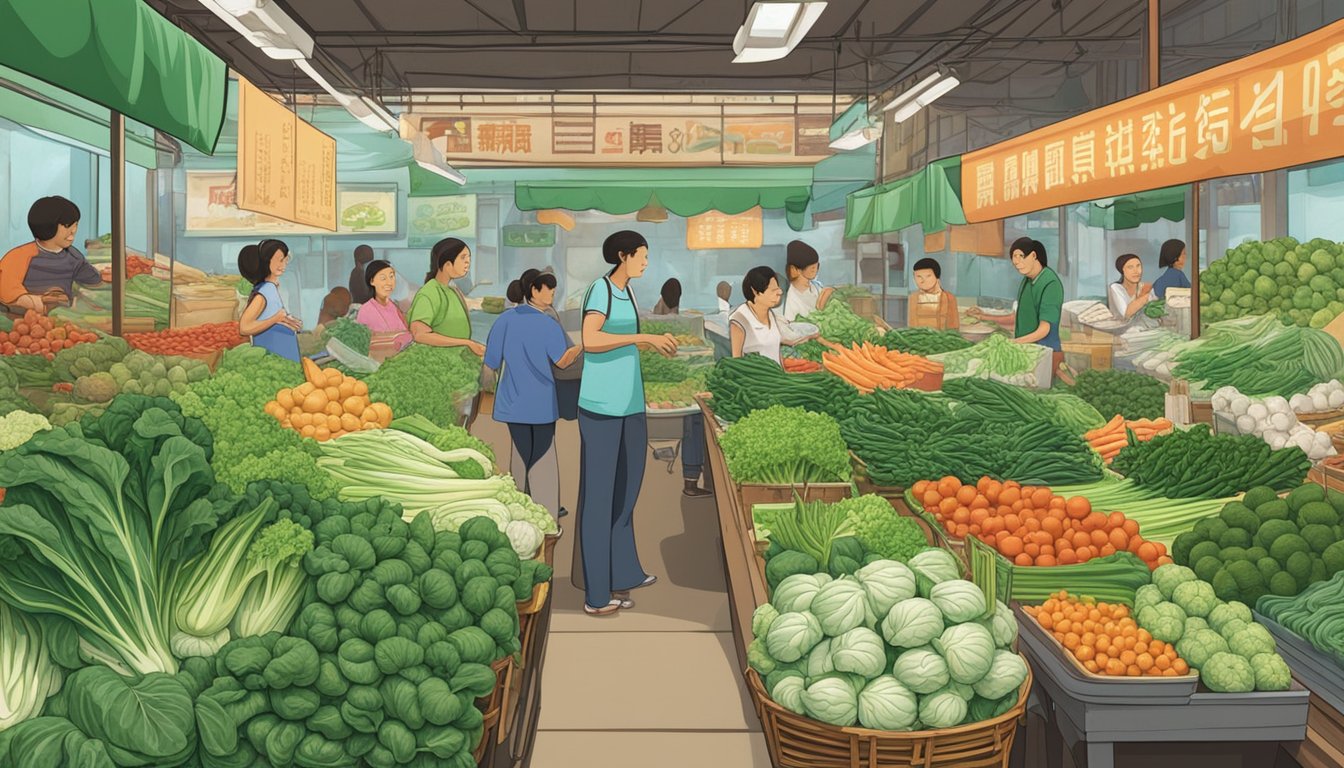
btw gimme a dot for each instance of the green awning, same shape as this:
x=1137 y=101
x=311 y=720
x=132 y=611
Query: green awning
x=834 y=178
x=33 y=105
x=122 y=55
x=683 y=191
x=931 y=198
x=1129 y=211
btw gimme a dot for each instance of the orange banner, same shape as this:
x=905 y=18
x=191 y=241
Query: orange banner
x=712 y=230
x=1275 y=109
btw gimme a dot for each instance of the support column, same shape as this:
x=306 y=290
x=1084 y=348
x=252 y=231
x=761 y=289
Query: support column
x=1153 y=45
x=1196 y=204
x=117 y=151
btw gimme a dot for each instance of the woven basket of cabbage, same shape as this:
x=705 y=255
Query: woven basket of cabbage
x=796 y=741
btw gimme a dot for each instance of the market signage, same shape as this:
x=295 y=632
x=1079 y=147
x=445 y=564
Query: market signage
x=667 y=139
x=712 y=230
x=213 y=211
x=286 y=167
x=529 y=235
x=1275 y=109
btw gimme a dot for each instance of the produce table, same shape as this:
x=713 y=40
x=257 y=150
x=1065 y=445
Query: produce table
x=1203 y=717
x=516 y=749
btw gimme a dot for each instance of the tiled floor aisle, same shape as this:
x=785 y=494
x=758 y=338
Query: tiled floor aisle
x=658 y=685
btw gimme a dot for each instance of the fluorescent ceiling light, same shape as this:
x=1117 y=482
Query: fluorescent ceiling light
x=924 y=99
x=773 y=29
x=860 y=136
x=266 y=26
x=428 y=157
x=910 y=94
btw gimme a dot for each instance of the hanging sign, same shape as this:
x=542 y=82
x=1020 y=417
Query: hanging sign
x=314 y=177
x=529 y=235
x=1279 y=108
x=711 y=230
x=286 y=167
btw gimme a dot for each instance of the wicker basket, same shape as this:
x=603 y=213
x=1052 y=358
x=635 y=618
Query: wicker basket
x=795 y=741
x=488 y=723
x=535 y=603
x=494 y=701
x=548 y=548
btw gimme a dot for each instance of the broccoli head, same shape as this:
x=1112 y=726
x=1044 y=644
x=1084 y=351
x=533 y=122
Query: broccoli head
x=1239 y=516
x=1224 y=586
x=1232 y=554
x=1228 y=673
x=1268 y=568
x=1317 y=512
x=1202 y=550
x=1196 y=597
x=1164 y=621
x=1183 y=544
x=1207 y=568
x=1255 y=553
x=1333 y=558
x=1210 y=528
x=1319 y=537
x=1305 y=494
x=1273 y=510
x=1287 y=545
x=1261 y=494
x=1283 y=584
x=1239 y=538
x=1271 y=672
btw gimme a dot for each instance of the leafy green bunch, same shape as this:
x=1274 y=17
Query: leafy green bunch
x=785 y=446
x=425 y=380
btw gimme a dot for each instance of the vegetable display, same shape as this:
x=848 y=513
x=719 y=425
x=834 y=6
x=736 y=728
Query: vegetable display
x=453 y=375
x=1199 y=464
x=657 y=367
x=1219 y=639
x=1105 y=638
x=327 y=405
x=1033 y=526
x=1264 y=545
x=887 y=649
x=869 y=367
x=1260 y=356
x=1273 y=421
x=1109 y=439
x=881 y=530
x=996 y=356
x=785 y=446
x=923 y=341
x=799 y=365
x=354 y=335
x=1131 y=395
x=1328 y=396
x=1316 y=615
x=740 y=385
x=18 y=427
x=840 y=325
x=1288 y=280
x=194 y=340
x=36 y=334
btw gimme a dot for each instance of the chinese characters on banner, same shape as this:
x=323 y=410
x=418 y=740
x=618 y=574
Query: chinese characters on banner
x=1275 y=109
x=712 y=229
x=286 y=167
x=648 y=139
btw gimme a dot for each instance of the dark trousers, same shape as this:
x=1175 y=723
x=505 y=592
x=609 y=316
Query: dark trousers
x=535 y=465
x=692 y=446
x=612 y=457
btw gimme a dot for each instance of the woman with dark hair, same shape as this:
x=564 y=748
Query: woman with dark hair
x=264 y=318
x=42 y=273
x=1171 y=259
x=1129 y=295
x=359 y=286
x=514 y=293
x=669 y=301
x=380 y=313
x=756 y=328
x=334 y=305
x=438 y=313
x=524 y=344
x=931 y=306
x=805 y=294
x=613 y=429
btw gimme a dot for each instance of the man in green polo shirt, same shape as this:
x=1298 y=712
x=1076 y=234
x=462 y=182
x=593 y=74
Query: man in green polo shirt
x=1040 y=302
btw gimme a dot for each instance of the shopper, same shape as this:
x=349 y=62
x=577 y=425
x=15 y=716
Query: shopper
x=264 y=318
x=931 y=306
x=1172 y=260
x=669 y=301
x=806 y=295
x=42 y=273
x=334 y=305
x=380 y=313
x=1040 y=301
x=359 y=286
x=523 y=346
x=1129 y=295
x=438 y=315
x=612 y=427
x=692 y=425
x=756 y=328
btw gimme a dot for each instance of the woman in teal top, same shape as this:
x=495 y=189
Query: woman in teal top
x=612 y=428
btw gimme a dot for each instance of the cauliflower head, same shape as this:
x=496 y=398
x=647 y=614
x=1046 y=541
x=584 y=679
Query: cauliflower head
x=1227 y=673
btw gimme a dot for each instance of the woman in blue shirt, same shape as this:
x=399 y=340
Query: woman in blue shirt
x=526 y=342
x=265 y=318
x=1172 y=259
x=612 y=428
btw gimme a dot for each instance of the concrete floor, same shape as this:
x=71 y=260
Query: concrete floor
x=657 y=685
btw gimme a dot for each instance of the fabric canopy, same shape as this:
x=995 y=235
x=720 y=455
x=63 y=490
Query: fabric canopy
x=1129 y=211
x=834 y=178
x=931 y=198
x=38 y=107
x=683 y=191
x=124 y=56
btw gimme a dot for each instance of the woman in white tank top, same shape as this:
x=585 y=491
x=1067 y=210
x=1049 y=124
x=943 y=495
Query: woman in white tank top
x=755 y=327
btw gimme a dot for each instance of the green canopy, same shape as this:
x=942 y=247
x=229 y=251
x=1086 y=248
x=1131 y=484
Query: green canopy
x=683 y=191
x=1129 y=211
x=931 y=198
x=122 y=55
x=35 y=106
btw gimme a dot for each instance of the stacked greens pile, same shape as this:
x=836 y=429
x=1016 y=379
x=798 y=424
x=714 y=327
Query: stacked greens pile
x=996 y=357
x=998 y=402
x=785 y=446
x=146 y=297
x=101 y=370
x=1220 y=639
x=1260 y=356
x=923 y=341
x=835 y=538
x=1316 y=615
x=658 y=368
x=10 y=399
x=905 y=436
x=1199 y=464
x=1131 y=395
x=839 y=324
x=356 y=336
x=1264 y=545
x=741 y=385
x=893 y=647
x=1298 y=283
x=430 y=381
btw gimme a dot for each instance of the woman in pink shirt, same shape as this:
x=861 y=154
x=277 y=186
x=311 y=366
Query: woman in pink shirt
x=380 y=313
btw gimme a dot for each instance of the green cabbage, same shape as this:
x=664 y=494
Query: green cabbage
x=942 y=710
x=1001 y=625
x=959 y=600
x=831 y=700
x=968 y=650
x=1006 y=674
x=886 y=583
x=913 y=623
x=791 y=636
x=936 y=566
x=840 y=606
x=921 y=670
x=788 y=693
x=859 y=651
x=795 y=593
x=886 y=705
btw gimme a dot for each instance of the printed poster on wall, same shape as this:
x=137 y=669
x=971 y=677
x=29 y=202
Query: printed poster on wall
x=212 y=210
x=714 y=230
x=434 y=218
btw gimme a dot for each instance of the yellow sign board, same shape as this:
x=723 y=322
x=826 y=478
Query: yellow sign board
x=315 y=177
x=286 y=167
x=713 y=230
x=1275 y=109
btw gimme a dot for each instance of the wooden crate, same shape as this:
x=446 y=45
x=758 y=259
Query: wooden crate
x=202 y=303
x=1324 y=745
x=751 y=494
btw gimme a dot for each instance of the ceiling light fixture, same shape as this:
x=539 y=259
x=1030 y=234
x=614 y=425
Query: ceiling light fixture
x=857 y=138
x=926 y=97
x=910 y=93
x=428 y=157
x=855 y=128
x=773 y=29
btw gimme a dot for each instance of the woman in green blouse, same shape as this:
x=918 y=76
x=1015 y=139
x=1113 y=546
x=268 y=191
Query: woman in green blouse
x=438 y=315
